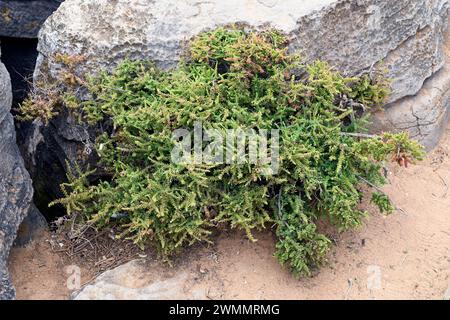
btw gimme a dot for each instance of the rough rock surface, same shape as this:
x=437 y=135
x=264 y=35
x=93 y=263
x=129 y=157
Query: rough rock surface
x=16 y=192
x=31 y=227
x=405 y=36
x=353 y=35
x=23 y=18
x=426 y=114
x=121 y=283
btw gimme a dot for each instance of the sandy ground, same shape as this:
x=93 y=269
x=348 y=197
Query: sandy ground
x=40 y=274
x=403 y=256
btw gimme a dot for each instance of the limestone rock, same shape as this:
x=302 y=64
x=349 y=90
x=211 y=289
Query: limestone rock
x=424 y=115
x=352 y=35
x=133 y=281
x=16 y=192
x=405 y=37
x=23 y=18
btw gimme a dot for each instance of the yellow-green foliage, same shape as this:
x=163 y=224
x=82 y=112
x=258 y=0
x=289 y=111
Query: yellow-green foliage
x=244 y=80
x=51 y=96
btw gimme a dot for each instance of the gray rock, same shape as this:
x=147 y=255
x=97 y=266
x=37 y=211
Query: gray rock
x=24 y=18
x=134 y=281
x=417 y=58
x=424 y=115
x=33 y=225
x=405 y=37
x=16 y=192
x=352 y=35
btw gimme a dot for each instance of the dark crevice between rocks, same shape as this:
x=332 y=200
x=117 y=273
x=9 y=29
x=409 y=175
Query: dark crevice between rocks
x=20 y=22
x=19 y=56
x=48 y=172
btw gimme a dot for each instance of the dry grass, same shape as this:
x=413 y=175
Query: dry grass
x=96 y=250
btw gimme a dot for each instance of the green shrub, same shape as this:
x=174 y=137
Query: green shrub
x=383 y=202
x=234 y=79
